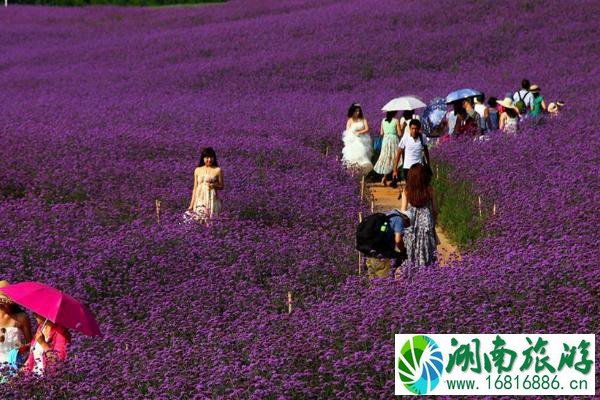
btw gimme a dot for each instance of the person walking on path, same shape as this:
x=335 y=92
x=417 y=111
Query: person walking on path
x=390 y=130
x=484 y=114
x=493 y=114
x=407 y=116
x=412 y=149
x=419 y=238
x=379 y=267
x=523 y=98
x=509 y=119
x=358 y=148
x=538 y=106
x=471 y=126
x=208 y=178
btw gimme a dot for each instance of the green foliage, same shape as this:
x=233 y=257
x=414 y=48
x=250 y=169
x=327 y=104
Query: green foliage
x=135 y=3
x=458 y=208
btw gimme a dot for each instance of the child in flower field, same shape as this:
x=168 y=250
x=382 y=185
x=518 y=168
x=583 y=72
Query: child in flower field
x=48 y=347
x=554 y=108
x=208 y=178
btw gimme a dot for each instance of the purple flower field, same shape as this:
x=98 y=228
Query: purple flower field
x=103 y=110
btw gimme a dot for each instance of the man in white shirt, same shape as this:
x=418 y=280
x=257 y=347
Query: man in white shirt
x=525 y=95
x=411 y=149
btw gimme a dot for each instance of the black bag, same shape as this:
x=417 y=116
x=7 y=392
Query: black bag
x=373 y=235
x=424 y=161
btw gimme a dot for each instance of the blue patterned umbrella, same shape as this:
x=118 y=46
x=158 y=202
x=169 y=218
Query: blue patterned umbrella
x=461 y=94
x=433 y=117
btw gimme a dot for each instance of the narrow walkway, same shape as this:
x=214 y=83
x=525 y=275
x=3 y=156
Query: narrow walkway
x=386 y=198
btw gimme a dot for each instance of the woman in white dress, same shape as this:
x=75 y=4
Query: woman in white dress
x=358 y=148
x=208 y=178
x=15 y=327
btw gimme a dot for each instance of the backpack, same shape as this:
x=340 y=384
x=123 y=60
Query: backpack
x=521 y=106
x=373 y=235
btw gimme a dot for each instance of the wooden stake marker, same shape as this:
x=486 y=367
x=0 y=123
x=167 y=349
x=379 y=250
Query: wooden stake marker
x=360 y=219
x=479 y=201
x=157 y=204
x=362 y=187
x=326 y=151
x=494 y=209
x=359 y=263
x=289 y=302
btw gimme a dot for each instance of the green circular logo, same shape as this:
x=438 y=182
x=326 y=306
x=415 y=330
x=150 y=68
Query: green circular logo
x=420 y=364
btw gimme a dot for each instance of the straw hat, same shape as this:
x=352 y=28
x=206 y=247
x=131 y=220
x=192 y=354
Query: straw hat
x=552 y=108
x=534 y=89
x=3 y=298
x=507 y=103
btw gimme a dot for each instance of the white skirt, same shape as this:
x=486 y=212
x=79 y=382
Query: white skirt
x=357 y=151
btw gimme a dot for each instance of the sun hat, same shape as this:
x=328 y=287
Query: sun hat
x=559 y=103
x=507 y=103
x=4 y=298
x=552 y=107
x=534 y=89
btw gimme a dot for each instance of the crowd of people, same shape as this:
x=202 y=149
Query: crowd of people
x=402 y=141
x=404 y=158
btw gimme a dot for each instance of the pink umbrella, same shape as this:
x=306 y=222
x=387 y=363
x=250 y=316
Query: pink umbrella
x=53 y=304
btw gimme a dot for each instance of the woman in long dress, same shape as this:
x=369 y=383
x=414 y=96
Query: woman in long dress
x=390 y=130
x=15 y=327
x=358 y=148
x=208 y=178
x=420 y=238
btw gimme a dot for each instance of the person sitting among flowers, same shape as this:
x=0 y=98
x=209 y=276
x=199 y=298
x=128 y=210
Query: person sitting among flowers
x=15 y=331
x=48 y=347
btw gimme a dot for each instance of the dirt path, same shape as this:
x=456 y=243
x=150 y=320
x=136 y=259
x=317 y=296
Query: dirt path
x=386 y=198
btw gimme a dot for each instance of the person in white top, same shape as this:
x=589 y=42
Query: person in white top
x=407 y=116
x=525 y=95
x=411 y=149
x=484 y=113
x=15 y=327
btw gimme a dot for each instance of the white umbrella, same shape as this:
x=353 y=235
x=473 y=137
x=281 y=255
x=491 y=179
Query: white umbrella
x=403 y=103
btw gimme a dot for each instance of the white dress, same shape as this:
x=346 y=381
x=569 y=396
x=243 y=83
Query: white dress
x=13 y=339
x=358 y=149
x=207 y=204
x=38 y=356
